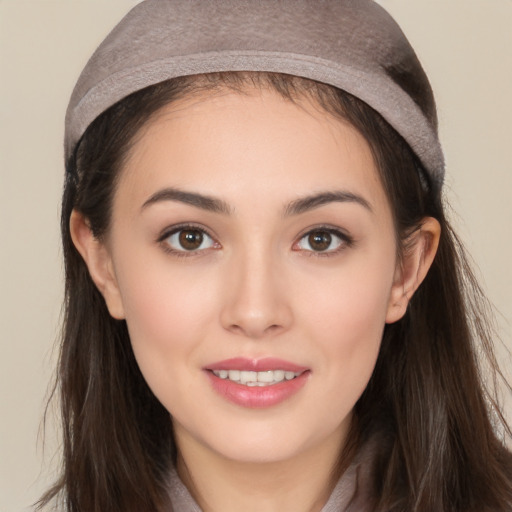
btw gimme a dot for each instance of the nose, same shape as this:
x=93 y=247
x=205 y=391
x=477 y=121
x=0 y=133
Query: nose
x=257 y=301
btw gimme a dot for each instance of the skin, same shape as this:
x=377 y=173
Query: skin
x=256 y=287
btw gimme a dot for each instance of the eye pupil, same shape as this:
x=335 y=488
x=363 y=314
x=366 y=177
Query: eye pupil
x=320 y=240
x=190 y=239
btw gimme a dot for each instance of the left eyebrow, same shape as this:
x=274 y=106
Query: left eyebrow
x=307 y=203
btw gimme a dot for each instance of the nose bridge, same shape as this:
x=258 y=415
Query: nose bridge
x=257 y=301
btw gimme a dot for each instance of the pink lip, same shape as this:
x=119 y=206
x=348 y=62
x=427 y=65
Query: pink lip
x=257 y=397
x=256 y=365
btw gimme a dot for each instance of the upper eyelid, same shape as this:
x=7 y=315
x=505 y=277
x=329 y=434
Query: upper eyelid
x=347 y=240
x=170 y=230
x=326 y=227
x=162 y=240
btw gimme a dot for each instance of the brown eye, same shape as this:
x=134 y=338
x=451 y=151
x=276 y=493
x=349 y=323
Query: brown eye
x=188 y=240
x=323 y=241
x=320 y=240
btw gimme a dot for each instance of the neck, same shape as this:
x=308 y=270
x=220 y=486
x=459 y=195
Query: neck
x=302 y=483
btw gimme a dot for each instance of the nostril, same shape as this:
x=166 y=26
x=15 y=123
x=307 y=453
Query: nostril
x=256 y=312
x=253 y=330
x=236 y=328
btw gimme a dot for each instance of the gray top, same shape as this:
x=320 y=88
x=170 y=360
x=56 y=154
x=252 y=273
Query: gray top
x=352 y=44
x=339 y=500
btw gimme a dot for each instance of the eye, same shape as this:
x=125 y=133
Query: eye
x=323 y=240
x=188 y=239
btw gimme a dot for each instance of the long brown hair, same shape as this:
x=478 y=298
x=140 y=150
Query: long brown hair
x=426 y=403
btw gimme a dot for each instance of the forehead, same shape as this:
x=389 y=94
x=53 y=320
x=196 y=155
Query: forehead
x=255 y=141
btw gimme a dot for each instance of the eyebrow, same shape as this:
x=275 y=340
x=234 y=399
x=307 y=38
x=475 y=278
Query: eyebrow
x=204 y=202
x=212 y=204
x=307 y=203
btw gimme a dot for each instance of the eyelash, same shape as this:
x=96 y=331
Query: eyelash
x=345 y=241
x=184 y=253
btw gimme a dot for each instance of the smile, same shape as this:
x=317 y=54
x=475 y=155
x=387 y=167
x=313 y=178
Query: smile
x=256 y=379
x=257 y=383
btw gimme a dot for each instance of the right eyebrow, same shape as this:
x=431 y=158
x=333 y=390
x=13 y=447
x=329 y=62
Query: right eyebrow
x=201 y=201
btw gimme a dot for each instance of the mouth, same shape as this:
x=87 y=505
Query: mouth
x=256 y=379
x=257 y=383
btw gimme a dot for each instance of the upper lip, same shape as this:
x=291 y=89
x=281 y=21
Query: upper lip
x=256 y=365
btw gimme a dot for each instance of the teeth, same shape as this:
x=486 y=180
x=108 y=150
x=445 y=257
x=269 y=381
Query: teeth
x=253 y=379
x=232 y=375
x=279 y=375
x=246 y=377
x=266 y=377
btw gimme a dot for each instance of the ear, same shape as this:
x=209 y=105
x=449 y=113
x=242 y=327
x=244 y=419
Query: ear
x=99 y=262
x=418 y=256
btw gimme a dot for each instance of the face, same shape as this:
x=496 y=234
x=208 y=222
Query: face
x=253 y=256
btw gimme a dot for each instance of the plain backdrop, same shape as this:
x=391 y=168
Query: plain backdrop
x=465 y=46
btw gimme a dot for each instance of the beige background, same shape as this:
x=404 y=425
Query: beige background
x=465 y=46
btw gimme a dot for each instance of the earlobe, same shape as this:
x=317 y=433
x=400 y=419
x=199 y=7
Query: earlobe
x=416 y=261
x=99 y=263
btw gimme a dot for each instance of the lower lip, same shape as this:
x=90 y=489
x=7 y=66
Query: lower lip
x=257 y=397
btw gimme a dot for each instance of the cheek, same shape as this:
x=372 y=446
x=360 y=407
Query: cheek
x=167 y=313
x=347 y=320
x=352 y=301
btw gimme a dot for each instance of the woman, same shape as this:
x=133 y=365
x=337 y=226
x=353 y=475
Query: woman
x=265 y=305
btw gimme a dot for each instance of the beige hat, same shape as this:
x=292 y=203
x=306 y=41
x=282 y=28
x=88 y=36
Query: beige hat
x=352 y=44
